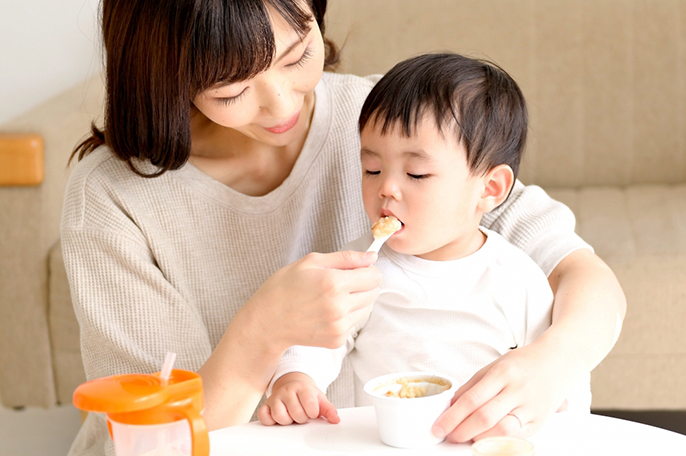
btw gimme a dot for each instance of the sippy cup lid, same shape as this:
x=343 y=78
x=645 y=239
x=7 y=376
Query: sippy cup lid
x=121 y=393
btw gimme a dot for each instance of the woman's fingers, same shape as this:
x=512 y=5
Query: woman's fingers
x=514 y=424
x=308 y=302
x=476 y=378
x=347 y=259
x=360 y=306
x=466 y=404
x=357 y=280
x=514 y=395
x=346 y=272
x=344 y=298
x=488 y=417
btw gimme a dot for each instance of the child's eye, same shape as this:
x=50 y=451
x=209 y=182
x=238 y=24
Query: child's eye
x=417 y=176
x=303 y=59
x=372 y=173
x=231 y=100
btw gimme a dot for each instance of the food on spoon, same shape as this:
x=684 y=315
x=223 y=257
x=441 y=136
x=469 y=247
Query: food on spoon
x=386 y=226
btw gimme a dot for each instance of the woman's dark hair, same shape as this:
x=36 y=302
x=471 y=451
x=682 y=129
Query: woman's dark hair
x=475 y=98
x=160 y=55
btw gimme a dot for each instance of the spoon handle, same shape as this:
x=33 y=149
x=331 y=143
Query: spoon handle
x=376 y=245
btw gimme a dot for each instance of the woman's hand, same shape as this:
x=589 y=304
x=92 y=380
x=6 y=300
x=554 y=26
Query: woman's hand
x=314 y=301
x=317 y=300
x=527 y=384
x=518 y=392
x=296 y=399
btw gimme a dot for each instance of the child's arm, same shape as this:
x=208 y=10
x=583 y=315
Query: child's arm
x=532 y=381
x=293 y=396
x=296 y=398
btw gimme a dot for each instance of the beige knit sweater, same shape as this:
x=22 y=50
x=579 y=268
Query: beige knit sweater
x=163 y=264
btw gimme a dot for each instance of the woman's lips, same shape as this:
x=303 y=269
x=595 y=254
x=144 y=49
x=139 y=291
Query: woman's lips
x=284 y=127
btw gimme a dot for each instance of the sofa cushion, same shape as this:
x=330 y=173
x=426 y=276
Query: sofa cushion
x=640 y=231
x=64 y=331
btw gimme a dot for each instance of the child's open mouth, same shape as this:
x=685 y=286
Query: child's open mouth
x=386 y=226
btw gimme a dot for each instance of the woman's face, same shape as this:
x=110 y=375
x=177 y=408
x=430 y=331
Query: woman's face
x=273 y=107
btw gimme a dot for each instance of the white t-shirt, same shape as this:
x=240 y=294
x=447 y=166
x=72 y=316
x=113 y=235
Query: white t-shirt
x=447 y=317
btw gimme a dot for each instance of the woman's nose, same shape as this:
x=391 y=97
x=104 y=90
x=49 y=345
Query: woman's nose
x=277 y=98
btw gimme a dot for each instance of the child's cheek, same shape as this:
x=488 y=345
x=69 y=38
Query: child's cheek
x=369 y=204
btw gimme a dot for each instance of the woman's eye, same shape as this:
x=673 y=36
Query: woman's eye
x=303 y=59
x=372 y=173
x=231 y=100
x=417 y=176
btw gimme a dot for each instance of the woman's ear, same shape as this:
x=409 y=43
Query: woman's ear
x=497 y=184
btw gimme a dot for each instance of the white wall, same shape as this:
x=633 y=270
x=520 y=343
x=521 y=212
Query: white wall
x=46 y=46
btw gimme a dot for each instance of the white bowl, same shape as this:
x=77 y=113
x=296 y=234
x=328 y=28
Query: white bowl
x=407 y=422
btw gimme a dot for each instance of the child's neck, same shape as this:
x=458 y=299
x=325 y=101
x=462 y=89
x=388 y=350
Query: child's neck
x=459 y=248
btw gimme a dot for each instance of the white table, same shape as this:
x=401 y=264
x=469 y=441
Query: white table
x=566 y=434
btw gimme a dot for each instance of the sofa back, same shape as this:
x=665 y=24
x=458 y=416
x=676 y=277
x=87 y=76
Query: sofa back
x=605 y=81
x=29 y=227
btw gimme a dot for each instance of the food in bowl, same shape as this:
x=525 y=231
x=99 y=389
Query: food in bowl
x=408 y=388
x=407 y=404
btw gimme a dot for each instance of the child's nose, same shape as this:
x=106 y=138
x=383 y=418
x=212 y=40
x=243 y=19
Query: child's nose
x=389 y=189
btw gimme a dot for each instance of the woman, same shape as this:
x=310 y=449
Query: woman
x=226 y=157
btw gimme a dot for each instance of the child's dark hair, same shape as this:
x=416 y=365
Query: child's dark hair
x=160 y=55
x=475 y=98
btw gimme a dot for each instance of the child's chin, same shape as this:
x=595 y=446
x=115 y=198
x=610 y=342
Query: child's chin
x=399 y=247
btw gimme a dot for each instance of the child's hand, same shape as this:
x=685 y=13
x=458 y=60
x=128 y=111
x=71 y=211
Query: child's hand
x=514 y=395
x=296 y=398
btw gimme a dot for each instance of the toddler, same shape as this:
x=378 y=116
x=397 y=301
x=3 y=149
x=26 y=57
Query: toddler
x=441 y=140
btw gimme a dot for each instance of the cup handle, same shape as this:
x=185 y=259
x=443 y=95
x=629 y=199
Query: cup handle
x=200 y=439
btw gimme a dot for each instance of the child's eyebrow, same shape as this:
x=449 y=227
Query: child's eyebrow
x=417 y=154
x=409 y=154
x=368 y=153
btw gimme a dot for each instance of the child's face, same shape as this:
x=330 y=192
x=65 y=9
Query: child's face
x=425 y=182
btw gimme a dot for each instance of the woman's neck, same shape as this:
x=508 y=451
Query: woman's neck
x=246 y=165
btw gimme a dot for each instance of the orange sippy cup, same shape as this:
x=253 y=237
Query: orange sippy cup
x=148 y=416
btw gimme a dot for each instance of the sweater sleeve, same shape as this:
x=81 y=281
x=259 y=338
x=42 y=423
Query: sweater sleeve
x=130 y=316
x=129 y=312
x=537 y=224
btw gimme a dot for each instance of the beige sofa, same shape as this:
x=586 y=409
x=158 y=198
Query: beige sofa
x=606 y=85
x=40 y=359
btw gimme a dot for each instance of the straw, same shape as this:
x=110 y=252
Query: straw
x=167 y=366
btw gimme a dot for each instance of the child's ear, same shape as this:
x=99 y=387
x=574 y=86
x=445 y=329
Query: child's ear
x=497 y=184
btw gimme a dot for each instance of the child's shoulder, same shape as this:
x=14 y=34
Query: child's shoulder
x=511 y=259
x=517 y=275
